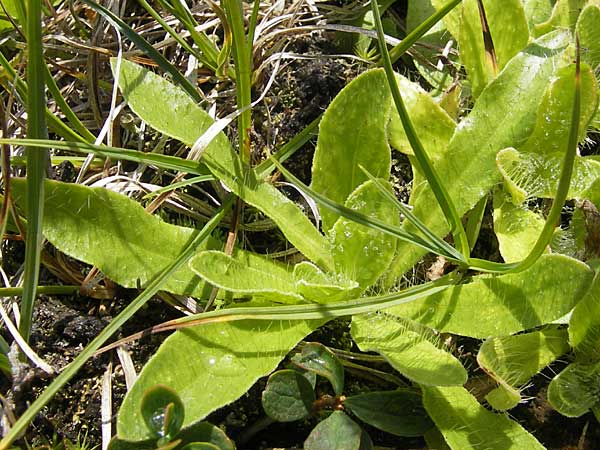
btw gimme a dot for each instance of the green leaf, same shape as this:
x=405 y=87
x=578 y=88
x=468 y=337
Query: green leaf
x=115 y=234
x=169 y=110
x=247 y=273
x=319 y=359
x=496 y=305
x=513 y=360
x=564 y=15
x=412 y=350
x=338 y=432
x=352 y=132
x=551 y=132
x=432 y=124
x=162 y=411
x=528 y=175
x=200 y=446
x=589 y=34
x=516 y=227
x=288 y=396
x=584 y=326
x=397 y=412
x=495 y=122
x=206 y=432
x=536 y=11
x=466 y=425
x=320 y=287
x=576 y=389
x=359 y=252
x=121 y=444
x=211 y=365
x=509 y=31
x=503 y=398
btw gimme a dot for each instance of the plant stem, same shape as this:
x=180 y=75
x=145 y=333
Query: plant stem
x=37 y=161
x=242 y=57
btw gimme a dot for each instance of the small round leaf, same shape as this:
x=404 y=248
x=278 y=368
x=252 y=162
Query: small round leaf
x=288 y=396
x=317 y=358
x=338 y=432
x=200 y=446
x=398 y=412
x=206 y=432
x=162 y=411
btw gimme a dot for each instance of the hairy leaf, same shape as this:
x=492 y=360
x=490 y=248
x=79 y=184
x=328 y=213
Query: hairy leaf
x=412 y=350
x=497 y=305
x=115 y=234
x=210 y=366
x=247 y=273
x=503 y=116
x=355 y=247
x=509 y=32
x=576 y=389
x=466 y=425
x=352 y=132
x=171 y=111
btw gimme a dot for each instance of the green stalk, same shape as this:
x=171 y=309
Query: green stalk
x=565 y=176
x=198 y=55
x=163 y=161
x=417 y=33
x=112 y=327
x=54 y=123
x=43 y=290
x=367 y=221
x=37 y=161
x=242 y=58
x=142 y=44
x=425 y=164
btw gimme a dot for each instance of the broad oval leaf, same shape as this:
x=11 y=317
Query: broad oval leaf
x=503 y=116
x=576 y=389
x=516 y=228
x=589 y=34
x=529 y=175
x=509 y=33
x=115 y=234
x=361 y=253
x=338 y=432
x=210 y=366
x=432 y=124
x=319 y=359
x=288 y=396
x=247 y=273
x=411 y=349
x=315 y=285
x=513 y=360
x=497 y=305
x=352 y=132
x=398 y=412
x=551 y=132
x=584 y=326
x=466 y=425
x=206 y=432
x=171 y=111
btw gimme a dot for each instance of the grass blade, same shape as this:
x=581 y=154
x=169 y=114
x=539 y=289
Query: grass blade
x=142 y=44
x=37 y=161
x=425 y=164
